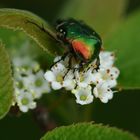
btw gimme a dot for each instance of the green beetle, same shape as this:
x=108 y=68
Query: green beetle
x=82 y=41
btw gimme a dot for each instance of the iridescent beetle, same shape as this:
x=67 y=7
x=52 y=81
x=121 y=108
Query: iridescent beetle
x=81 y=40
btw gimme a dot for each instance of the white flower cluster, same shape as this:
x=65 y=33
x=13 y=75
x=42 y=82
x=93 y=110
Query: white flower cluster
x=29 y=83
x=88 y=83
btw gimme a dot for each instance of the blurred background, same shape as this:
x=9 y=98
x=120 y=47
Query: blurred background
x=60 y=109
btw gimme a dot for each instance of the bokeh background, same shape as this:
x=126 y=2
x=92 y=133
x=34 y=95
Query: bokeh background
x=123 y=111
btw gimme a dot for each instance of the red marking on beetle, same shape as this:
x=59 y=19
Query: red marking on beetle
x=80 y=47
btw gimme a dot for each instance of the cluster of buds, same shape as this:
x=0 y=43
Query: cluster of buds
x=29 y=83
x=86 y=84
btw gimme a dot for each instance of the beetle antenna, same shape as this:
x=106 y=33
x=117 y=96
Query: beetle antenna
x=50 y=33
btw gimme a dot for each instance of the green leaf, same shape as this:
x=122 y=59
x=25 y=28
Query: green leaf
x=22 y=20
x=87 y=131
x=102 y=15
x=126 y=44
x=6 y=82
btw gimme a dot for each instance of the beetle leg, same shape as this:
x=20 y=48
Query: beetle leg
x=62 y=58
x=69 y=67
x=81 y=66
x=76 y=84
x=97 y=64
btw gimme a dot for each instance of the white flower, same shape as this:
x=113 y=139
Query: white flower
x=63 y=62
x=57 y=58
x=89 y=77
x=83 y=79
x=103 y=92
x=80 y=81
x=36 y=84
x=29 y=83
x=25 y=63
x=69 y=81
x=56 y=76
x=25 y=100
x=41 y=86
x=109 y=76
x=106 y=59
x=93 y=77
x=83 y=95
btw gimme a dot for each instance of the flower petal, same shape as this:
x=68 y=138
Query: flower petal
x=56 y=85
x=49 y=76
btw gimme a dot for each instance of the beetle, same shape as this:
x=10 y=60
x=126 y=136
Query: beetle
x=82 y=42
